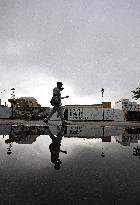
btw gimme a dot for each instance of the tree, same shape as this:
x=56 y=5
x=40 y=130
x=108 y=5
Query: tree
x=136 y=93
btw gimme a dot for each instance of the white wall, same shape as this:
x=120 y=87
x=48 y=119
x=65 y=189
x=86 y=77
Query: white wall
x=5 y=112
x=113 y=114
x=93 y=114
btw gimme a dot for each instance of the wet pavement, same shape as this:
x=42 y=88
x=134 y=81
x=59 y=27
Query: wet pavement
x=76 y=164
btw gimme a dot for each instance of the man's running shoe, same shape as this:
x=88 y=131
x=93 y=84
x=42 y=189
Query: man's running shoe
x=65 y=123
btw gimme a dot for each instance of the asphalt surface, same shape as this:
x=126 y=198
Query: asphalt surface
x=90 y=123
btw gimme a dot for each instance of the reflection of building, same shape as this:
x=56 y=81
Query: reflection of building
x=106 y=139
x=129 y=136
x=80 y=131
x=25 y=139
x=28 y=134
x=22 y=134
x=85 y=131
x=29 y=139
x=5 y=129
x=123 y=140
x=24 y=102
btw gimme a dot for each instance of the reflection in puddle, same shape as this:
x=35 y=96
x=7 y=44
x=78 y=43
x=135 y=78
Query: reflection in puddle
x=94 y=164
x=29 y=134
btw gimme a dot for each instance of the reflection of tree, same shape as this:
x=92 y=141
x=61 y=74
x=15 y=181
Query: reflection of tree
x=22 y=134
x=136 y=151
x=55 y=147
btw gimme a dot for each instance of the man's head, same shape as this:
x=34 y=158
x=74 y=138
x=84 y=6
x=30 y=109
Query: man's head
x=57 y=164
x=59 y=85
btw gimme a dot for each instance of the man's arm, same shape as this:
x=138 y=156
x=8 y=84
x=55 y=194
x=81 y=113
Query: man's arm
x=65 y=97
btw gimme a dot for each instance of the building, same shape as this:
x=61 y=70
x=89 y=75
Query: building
x=24 y=102
x=125 y=104
x=96 y=112
x=86 y=112
x=103 y=105
x=131 y=109
x=5 y=112
x=28 y=102
x=23 y=106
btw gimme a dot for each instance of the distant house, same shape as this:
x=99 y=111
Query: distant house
x=125 y=104
x=131 y=109
x=27 y=108
x=24 y=102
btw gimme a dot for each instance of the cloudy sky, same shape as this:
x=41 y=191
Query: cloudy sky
x=86 y=44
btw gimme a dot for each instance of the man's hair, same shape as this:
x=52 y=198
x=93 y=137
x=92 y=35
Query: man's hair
x=59 y=83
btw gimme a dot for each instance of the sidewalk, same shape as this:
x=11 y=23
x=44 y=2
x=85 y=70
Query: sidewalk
x=82 y=123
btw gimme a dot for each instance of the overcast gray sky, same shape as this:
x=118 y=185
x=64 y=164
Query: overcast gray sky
x=87 y=44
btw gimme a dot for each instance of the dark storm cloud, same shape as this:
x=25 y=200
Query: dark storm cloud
x=88 y=44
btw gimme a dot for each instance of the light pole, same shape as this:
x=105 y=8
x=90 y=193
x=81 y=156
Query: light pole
x=2 y=95
x=102 y=91
x=13 y=97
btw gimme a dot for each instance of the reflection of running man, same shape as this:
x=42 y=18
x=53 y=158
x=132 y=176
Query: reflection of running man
x=55 y=148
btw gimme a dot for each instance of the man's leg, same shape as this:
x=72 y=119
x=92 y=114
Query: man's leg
x=60 y=113
x=59 y=109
